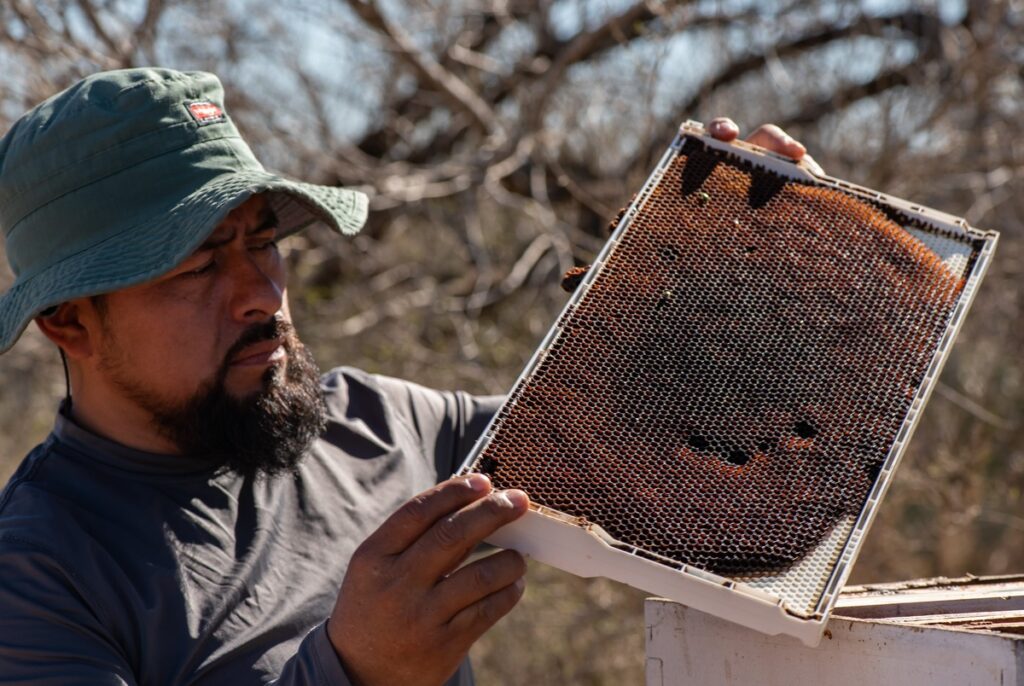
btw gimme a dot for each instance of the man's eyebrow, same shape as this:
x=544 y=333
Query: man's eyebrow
x=268 y=220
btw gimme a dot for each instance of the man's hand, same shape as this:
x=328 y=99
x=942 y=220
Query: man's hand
x=405 y=614
x=768 y=136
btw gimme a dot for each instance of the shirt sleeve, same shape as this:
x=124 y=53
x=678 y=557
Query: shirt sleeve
x=314 y=663
x=317 y=663
x=50 y=633
x=49 y=636
x=448 y=423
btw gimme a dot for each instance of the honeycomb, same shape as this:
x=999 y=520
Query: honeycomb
x=729 y=385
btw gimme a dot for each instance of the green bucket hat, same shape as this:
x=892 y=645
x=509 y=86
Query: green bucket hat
x=119 y=178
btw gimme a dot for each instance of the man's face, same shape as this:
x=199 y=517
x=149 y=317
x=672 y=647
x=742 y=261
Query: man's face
x=208 y=350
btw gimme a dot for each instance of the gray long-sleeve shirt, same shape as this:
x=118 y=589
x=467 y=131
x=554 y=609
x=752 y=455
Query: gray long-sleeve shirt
x=124 y=567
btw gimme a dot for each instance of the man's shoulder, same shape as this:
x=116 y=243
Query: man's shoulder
x=30 y=504
x=353 y=393
x=27 y=473
x=341 y=380
x=441 y=424
x=337 y=381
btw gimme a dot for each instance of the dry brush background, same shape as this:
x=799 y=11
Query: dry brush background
x=498 y=137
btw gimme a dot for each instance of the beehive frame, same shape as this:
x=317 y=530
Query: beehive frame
x=791 y=592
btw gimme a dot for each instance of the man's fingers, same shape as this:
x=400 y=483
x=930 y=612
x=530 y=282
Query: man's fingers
x=768 y=136
x=812 y=164
x=473 y=621
x=446 y=543
x=724 y=129
x=403 y=528
x=771 y=137
x=478 y=580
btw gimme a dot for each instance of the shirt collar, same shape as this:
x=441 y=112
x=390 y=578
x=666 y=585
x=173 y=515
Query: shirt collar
x=120 y=456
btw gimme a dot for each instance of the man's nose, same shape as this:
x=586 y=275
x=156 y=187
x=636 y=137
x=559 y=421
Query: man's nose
x=258 y=291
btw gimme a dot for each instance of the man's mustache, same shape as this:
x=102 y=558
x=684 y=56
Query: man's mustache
x=276 y=327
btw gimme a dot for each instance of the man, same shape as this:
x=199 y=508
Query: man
x=208 y=509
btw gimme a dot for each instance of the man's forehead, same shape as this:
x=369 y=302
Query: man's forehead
x=252 y=213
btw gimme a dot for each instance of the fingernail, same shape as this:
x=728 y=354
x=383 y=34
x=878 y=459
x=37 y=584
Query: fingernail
x=516 y=499
x=478 y=482
x=520 y=584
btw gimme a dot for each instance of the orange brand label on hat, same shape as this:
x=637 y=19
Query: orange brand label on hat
x=206 y=113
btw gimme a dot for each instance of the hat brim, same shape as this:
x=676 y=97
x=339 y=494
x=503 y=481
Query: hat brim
x=145 y=251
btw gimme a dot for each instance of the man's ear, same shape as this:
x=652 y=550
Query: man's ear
x=67 y=329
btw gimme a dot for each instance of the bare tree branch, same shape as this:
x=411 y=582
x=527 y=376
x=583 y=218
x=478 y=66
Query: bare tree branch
x=911 y=20
x=884 y=81
x=616 y=30
x=460 y=95
x=146 y=30
x=475 y=37
x=119 y=50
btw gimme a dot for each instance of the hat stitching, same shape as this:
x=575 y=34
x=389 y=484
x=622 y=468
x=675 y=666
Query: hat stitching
x=132 y=227
x=137 y=277
x=84 y=289
x=310 y=207
x=81 y=104
x=152 y=132
x=17 y=297
x=144 y=83
x=266 y=183
x=15 y=226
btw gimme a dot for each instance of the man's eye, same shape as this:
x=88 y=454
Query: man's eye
x=199 y=271
x=266 y=245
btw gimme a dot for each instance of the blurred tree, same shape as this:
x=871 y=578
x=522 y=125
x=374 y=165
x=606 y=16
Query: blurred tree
x=497 y=138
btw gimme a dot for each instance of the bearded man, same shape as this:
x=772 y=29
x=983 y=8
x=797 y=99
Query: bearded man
x=208 y=508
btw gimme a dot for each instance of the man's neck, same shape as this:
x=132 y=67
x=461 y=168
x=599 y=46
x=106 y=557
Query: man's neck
x=119 y=419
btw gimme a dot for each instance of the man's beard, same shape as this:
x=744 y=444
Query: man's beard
x=267 y=431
